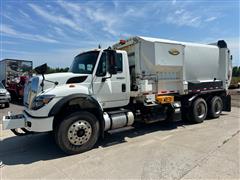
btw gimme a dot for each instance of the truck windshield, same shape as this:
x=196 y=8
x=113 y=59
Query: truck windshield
x=84 y=63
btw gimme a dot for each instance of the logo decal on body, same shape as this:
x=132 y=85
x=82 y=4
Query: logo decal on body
x=174 y=52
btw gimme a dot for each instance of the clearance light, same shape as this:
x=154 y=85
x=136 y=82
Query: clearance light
x=122 y=41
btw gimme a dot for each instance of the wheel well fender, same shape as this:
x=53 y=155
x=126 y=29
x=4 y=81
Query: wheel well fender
x=188 y=100
x=74 y=103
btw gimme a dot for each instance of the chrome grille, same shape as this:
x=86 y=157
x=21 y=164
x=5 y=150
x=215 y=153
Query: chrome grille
x=30 y=91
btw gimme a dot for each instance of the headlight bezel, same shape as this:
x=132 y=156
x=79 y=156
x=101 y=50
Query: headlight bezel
x=41 y=100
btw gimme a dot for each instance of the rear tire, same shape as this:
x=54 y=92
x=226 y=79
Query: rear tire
x=77 y=133
x=215 y=107
x=198 y=111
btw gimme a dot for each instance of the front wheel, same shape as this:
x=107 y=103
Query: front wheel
x=77 y=133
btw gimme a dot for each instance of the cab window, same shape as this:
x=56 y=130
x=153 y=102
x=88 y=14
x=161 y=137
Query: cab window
x=119 y=62
x=102 y=66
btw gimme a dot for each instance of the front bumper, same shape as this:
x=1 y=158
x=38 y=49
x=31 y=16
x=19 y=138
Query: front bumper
x=25 y=121
x=5 y=99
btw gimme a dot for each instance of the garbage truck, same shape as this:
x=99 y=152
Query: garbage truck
x=140 y=79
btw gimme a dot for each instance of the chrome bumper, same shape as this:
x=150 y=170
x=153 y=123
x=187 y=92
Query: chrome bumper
x=14 y=121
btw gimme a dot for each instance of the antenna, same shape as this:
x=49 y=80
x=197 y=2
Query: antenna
x=99 y=46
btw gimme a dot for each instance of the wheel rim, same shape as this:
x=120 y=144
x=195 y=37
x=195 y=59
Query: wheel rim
x=218 y=107
x=79 y=132
x=201 y=110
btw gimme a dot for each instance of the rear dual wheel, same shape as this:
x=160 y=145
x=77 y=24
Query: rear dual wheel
x=215 y=107
x=199 y=111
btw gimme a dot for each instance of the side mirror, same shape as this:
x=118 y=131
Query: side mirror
x=112 y=62
x=42 y=69
x=112 y=69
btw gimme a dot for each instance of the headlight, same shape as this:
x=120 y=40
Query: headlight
x=7 y=93
x=41 y=101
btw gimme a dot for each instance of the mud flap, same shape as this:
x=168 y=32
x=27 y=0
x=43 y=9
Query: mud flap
x=227 y=103
x=174 y=113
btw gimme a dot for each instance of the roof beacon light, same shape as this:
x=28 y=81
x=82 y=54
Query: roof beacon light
x=122 y=41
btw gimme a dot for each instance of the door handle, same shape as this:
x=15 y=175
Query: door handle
x=123 y=87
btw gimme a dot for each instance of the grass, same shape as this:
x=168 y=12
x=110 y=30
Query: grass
x=235 y=80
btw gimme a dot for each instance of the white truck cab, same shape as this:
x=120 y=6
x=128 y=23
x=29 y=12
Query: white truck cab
x=141 y=79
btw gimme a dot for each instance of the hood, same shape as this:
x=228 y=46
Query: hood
x=66 y=78
x=61 y=78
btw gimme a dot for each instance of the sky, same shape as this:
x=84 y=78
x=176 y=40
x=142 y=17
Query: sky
x=55 y=31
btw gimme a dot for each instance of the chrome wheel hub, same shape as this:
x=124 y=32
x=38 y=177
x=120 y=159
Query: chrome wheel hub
x=218 y=107
x=79 y=132
x=201 y=110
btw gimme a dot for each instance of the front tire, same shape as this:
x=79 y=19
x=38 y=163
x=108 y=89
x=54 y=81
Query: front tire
x=77 y=133
x=198 y=111
x=215 y=107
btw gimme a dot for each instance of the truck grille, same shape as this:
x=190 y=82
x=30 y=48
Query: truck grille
x=2 y=94
x=30 y=91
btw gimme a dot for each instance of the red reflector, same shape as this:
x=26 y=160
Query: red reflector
x=163 y=91
x=122 y=41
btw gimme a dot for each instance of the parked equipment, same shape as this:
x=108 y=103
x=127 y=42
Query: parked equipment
x=5 y=97
x=139 y=79
x=14 y=74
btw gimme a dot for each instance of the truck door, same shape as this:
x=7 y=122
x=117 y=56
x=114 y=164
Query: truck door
x=111 y=90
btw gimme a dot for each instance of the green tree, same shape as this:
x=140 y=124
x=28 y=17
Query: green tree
x=56 y=70
x=236 y=71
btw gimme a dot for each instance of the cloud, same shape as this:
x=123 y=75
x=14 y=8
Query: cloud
x=24 y=14
x=59 y=31
x=9 y=42
x=9 y=31
x=174 y=2
x=108 y=21
x=56 y=19
x=210 y=19
x=179 y=11
x=183 y=17
x=91 y=14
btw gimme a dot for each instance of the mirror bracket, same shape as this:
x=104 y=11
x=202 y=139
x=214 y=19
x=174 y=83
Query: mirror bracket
x=105 y=78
